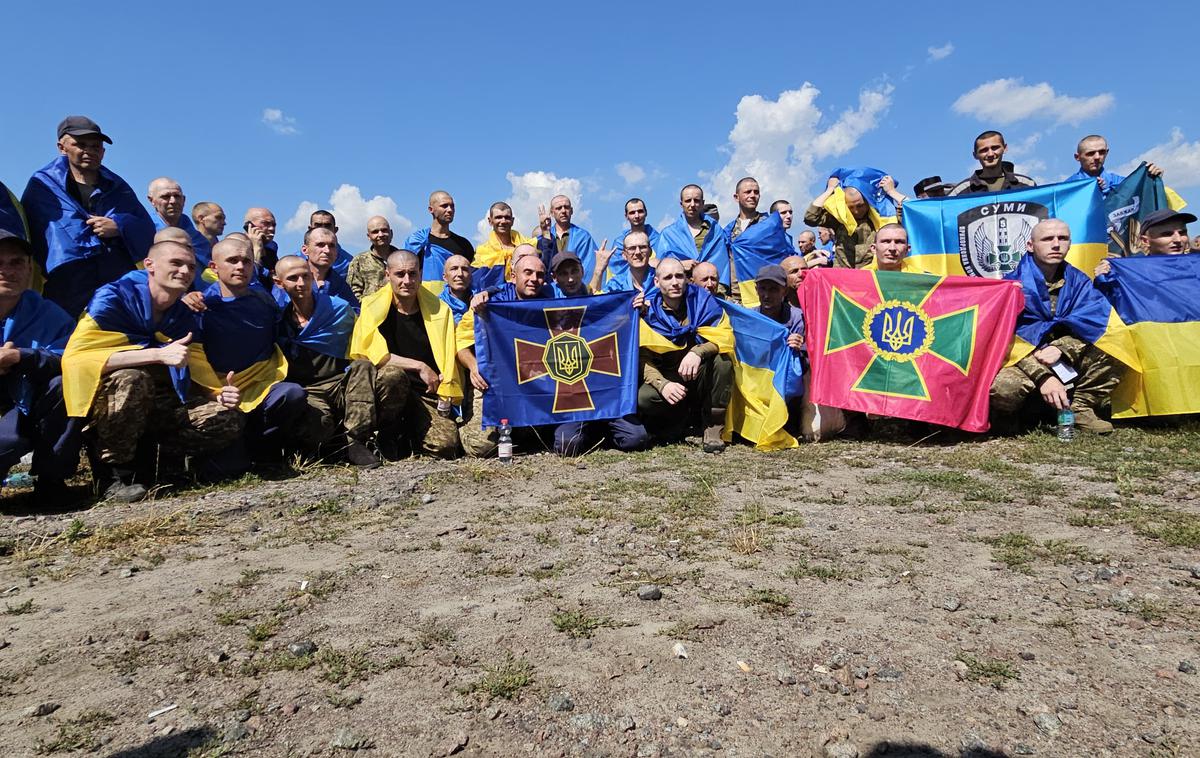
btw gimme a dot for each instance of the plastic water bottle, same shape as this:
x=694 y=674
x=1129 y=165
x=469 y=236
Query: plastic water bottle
x=504 y=448
x=1066 y=425
x=19 y=479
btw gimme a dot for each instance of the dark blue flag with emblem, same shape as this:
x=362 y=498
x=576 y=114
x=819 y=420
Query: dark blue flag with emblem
x=1135 y=197
x=551 y=361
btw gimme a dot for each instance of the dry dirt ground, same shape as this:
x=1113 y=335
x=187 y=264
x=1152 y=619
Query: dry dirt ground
x=1004 y=597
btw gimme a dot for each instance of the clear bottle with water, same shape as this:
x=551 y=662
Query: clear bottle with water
x=19 y=479
x=1066 y=425
x=504 y=447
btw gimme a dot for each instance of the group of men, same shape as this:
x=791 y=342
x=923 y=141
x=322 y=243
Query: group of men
x=160 y=343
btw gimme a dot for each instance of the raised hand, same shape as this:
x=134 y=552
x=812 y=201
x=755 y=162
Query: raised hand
x=175 y=354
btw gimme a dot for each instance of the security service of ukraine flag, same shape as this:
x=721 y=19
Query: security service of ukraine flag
x=549 y=361
x=912 y=346
x=986 y=234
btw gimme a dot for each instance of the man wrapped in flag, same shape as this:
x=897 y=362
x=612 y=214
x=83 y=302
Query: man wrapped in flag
x=683 y=330
x=695 y=235
x=344 y=398
x=1071 y=347
x=987 y=234
x=856 y=203
x=127 y=367
x=493 y=259
x=1155 y=295
x=436 y=242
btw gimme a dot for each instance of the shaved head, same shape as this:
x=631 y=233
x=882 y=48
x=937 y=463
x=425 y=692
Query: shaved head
x=670 y=264
x=168 y=248
x=438 y=195
x=173 y=234
x=283 y=265
x=234 y=246
x=454 y=260
x=524 y=249
x=402 y=259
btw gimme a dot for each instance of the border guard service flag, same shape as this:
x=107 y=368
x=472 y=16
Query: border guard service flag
x=549 y=361
x=985 y=234
x=913 y=346
x=1155 y=295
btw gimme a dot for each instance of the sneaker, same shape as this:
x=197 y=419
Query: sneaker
x=1086 y=420
x=358 y=454
x=712 y=440
x=124 y=493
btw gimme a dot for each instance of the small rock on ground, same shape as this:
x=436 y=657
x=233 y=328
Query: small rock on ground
x=649 y=592
x=560 y=701
x=1047 y=722
x=346 y=738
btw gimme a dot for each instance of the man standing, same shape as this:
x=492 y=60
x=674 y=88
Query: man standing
x=1063 y=320
x=368 y=270
x=684 y=330
x=321 y=219
x=167 y=199
x=320 y=247
x=566 y=236
x=136 y=388
x=695 y=235
x=852 y=248
x=704 y=275
x=784 y=209
x=345 y=398
x=86 y=224
x=890 y=251
x=994 y=173
x=259 y=225
x=209 y=220
x=457 y=293
x=635 y=214
x=1091 y=153
x=806 y=242
x=33 y=416
x=239 y=329
x=638 y=274
x=408 y=333
x=502 y=241
x=434 y=244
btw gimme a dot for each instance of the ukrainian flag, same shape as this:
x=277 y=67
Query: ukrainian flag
x=366 y=341
x=986 y=234
x=1155 y=295
x=766 y=373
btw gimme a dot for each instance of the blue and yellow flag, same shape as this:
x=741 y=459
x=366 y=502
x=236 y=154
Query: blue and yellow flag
x=38 y=325
x=676 y=241
x=239 y=334
x=866 y=181
x=552 y=361
x=766 y=374
x=120 y=317
x=986 y=234
x=1155 y=295
x=1081 y=309
x=329 y=328
x=661 y=332
x=760 y=244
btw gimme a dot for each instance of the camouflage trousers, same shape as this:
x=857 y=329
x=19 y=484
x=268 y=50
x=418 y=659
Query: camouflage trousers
x=356 y=403
x=1099 y=374
x=134 y=402
x=419 y=424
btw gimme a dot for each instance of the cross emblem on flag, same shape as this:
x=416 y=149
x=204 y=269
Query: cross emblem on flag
x=568 y=359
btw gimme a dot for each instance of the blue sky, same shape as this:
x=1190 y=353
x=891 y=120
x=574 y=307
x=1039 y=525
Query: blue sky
x=282 y=104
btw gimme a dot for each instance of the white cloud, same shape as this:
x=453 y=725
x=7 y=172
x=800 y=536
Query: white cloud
x=631 y=172
x=779 y=141
x=534 y=188
x=938 y=53
x=1179 y=160
x=352 y=210
x=1006 y=101
x=279 y=122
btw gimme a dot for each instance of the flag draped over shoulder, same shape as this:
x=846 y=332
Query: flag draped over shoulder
x=866 y=181
x=1135 y=197
x=493 y=261
x=58 y=223
x=986 y=234
x=913 y=346
x=766 y=374
x=760 y=244
x=368 y=343
x=239 y=335
x=433 y=257
x=34 y=324
x=120 y=317
x=1081 y=308
x=676 y=241
x=1156 y=297
x=661 y=332
x=329 y=328
x=617 y=265
x=549 y=361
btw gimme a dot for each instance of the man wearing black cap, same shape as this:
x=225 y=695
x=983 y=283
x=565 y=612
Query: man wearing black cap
x=567 y=271
x=33 y=416
x=931 y=186
x=87 y=226
x=1164 y=232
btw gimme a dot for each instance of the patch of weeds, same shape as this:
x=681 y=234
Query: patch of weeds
x=545 y=538
x=325 y=507
x=345 y=667
x=78 y=734
x=1063 y=552
x=471 y=548
x=20 y=609
x=646 y=521
x=432 y=633
x=944 y=520
x=321 y=586
x=1066 y=623
x=680 y=630
x=1149 y=610
x=263 y=631
x=250 y=576
x=338 y=700
x=802 y=569
x=281 y=660
x=748 y=539
x=768 y=602
x=506 y=678
x=229 y=618
x=75 y=531
x=942 y=480
x=990 y=671
x=580 y=623
x=1014 y=549
x=123 y=540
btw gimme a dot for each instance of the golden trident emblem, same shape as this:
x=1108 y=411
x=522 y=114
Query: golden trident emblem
x=897 y=331
x=568 y=358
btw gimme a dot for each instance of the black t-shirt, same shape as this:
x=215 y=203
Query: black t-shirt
x=305 y=365
x=407 y=338
x=456 y=244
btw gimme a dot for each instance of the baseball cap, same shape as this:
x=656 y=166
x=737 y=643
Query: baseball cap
x=563 y=257
x=24 y=243
x=1154 y=218
x=772 y=273
x=78 y=126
